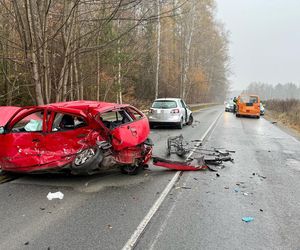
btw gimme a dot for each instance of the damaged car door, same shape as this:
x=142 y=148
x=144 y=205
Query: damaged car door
x=68 y=134
x=128 y=127
x=21 y=138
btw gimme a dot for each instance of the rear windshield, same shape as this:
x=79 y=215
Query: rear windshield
x=248 y=99
x=164 y=104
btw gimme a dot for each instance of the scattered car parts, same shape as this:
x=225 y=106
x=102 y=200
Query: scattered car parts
x=205 y=159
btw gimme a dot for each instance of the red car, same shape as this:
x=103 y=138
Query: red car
x=6 y=112
x=81 y=137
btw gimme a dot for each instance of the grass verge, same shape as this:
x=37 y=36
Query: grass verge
x=285 y=112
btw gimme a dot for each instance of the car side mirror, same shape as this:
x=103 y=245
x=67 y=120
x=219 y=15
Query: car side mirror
x=2 y=130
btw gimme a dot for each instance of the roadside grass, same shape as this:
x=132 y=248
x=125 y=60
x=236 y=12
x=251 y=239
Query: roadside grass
x=287 y=112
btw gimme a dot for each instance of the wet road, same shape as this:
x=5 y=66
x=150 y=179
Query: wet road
x=266 y=176
x=102 y=212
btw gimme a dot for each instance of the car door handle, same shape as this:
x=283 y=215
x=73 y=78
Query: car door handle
x=35 y=140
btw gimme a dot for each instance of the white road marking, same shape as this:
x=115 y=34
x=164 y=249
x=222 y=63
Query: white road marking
x=130 y=244
x=140 y=229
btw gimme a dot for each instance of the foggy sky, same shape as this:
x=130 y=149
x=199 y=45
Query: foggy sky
x=265 y=40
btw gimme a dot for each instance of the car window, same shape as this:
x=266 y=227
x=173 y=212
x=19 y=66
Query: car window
x=30 y=123
x=244 y=99
x=248 y=99
x=164 y=104
x=63 y=122
x=134 y=113
x=113 y=119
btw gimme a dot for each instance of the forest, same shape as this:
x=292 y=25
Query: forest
x=279 y=91
x=111 y=50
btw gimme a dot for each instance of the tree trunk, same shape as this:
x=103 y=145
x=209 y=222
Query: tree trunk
x=34 y=57
x=157 y=50
x=187 y=52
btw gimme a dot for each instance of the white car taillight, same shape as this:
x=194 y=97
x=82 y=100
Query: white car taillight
x=175 y=111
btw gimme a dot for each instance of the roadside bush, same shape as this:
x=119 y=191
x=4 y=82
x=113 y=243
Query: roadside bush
x=288 y=110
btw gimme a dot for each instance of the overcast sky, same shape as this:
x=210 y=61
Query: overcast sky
x=264 y=40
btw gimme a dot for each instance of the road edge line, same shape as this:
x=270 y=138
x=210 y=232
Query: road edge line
x=130 y=244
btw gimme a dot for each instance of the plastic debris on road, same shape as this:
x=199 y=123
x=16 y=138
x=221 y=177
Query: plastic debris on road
x=56 y=195
x=191 y=165
x=205 y=158
x=247 y=219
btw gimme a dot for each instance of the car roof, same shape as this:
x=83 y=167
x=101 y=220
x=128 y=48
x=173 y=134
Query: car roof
x=245 y=94
x=84 y=105
x=167 y=99
x=6 y=112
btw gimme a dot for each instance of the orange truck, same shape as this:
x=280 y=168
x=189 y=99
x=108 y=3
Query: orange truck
x=248 y=105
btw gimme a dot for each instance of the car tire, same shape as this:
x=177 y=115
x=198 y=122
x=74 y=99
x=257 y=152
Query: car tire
x=87 y=161
x=237 y=115
x=180 y=124
x=191 y=120
x=130 y=169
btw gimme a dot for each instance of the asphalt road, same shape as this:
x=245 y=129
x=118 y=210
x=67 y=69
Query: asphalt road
x=103 y=211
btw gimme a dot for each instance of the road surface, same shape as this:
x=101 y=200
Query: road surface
x=103 y=211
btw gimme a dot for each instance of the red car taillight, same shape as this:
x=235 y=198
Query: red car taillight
x=175 y=111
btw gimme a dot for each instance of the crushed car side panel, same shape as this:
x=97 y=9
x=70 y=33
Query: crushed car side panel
x=129 y=135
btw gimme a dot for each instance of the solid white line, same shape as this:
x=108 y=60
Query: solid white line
x=130 y=244
x=140 y=229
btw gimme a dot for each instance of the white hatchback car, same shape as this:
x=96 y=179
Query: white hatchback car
x=170 y=111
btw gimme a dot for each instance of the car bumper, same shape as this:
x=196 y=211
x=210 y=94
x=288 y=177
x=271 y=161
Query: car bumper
x=164 y=124
x=229 y=109
x=249 y=114
x=171 y=119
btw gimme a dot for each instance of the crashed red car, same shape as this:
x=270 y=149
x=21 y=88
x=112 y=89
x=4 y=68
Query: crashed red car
x=80 y=137
x=6 y=112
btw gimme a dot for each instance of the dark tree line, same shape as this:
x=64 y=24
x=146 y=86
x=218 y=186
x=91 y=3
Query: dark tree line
x=279 y=91
x=111 y=50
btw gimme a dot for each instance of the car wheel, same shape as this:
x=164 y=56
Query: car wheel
x=258 y=117
x=191 y=120
x=180 y=124
x=87 y=160
x=131 y=169
x=237 y=115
